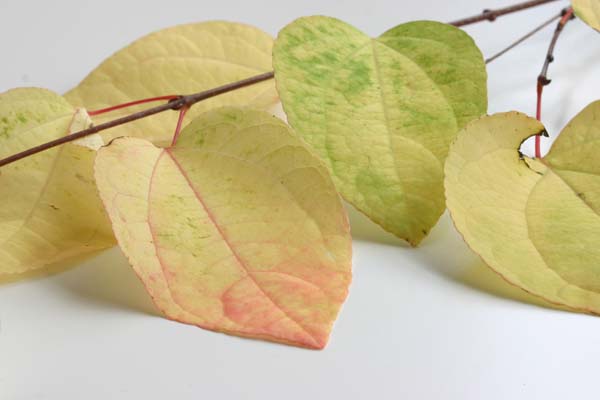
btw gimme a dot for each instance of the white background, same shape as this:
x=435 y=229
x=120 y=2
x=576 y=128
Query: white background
x=428 y=323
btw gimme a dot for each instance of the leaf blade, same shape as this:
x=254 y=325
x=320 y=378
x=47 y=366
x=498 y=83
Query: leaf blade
x=525 y=220
x=245 y=251
x=50 y=210
x=183 y=59
x=588 y=11
x=373 y=112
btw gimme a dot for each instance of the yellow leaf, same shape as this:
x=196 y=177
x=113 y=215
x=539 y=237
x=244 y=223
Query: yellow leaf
x=237 y=228
x=179 y=60
x=588 y=11
x=536 y=223
x=50 y=208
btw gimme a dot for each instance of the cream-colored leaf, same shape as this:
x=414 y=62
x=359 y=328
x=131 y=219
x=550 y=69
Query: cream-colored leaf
x=81 y=121
x=238 y=228
x=588 y=11
x=537 y=223
x=382 y=112
x=50 y=208
x=179 y=60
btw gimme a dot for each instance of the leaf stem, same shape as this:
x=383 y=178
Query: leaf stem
x=131 y=103
x=542 y=79
x=182 y=113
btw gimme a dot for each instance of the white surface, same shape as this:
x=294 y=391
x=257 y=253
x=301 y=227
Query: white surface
x=419 y=324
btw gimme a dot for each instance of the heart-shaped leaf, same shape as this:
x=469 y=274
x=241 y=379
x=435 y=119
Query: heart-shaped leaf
x=588 y=11
x=536 y=223
x=237 y=228
x=180 y=60
x=50 y=208
x=382 y=112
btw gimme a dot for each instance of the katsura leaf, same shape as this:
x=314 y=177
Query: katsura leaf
x=588 y=11
x=179 y=60
x=535 y=222
x=50 y=208
x=237 y=228
x=382 y=112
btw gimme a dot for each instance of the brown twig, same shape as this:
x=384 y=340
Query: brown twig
x=189 y=100
x=523 y=38
x=542 y=79
x=491 y=15
x=177 y=104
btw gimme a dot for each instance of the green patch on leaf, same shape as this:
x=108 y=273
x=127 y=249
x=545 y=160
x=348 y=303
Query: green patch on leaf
x=382 y=112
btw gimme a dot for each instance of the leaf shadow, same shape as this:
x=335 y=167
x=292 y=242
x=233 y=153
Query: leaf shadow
x=107 y=280
x=365 y=229
x=479 y=276
x=446 y=254
x=45 y=272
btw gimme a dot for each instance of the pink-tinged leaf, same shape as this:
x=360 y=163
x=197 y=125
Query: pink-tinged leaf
x=237 y=228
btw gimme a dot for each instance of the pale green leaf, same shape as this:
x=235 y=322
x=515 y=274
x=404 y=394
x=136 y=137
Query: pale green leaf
x=537 y=223
x=50 y=208
x=382 y=112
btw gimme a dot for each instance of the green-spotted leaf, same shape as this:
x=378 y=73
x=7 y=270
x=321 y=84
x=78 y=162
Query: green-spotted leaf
x=179 y=60
x=537 y=223
x=382 y=112
x=588 y=11
x=238 y=228
x=50 y=209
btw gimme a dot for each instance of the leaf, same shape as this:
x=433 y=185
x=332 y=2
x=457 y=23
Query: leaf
x=534 y=222
x=588 y=11
x=50 y=208
x=237 y=228
x=382 y=112
x=179 y=60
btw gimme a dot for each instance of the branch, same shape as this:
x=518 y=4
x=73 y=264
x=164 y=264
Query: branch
x=181 y=102
x=177 y=104
x=523 y=38
x=542 y=80
x=491 y=15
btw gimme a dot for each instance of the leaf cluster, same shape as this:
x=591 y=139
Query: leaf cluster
x=238 y=226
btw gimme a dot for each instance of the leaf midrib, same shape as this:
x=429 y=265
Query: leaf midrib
x=226 y=240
